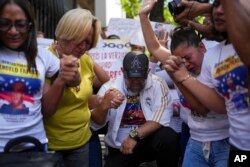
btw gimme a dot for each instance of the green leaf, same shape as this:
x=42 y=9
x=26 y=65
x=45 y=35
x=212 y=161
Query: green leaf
x=131 y=8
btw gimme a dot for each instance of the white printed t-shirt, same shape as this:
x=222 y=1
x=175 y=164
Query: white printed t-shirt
x=212 y=127
x=223 y=70
x=18 y=86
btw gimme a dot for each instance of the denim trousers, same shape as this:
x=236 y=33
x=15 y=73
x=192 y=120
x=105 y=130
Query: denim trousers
x=209 y=154
x=95 y=151
x=78 y=157
x=185 y=135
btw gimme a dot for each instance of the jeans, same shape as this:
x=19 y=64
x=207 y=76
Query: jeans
x=215 y=154
x=184 y=139
x=95 y=151
x=78 y=157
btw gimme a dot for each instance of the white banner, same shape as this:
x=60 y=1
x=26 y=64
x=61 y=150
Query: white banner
x=131 y=29
x=109 y=55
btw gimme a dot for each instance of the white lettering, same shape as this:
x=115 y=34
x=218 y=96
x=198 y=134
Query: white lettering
x=240 y=158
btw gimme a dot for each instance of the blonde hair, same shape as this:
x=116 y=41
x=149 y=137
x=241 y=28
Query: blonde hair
x=76 y=25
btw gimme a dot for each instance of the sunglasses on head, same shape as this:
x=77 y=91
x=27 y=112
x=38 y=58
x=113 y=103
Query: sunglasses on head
x=20 y=25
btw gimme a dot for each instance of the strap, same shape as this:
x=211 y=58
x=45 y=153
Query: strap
x=23 y=139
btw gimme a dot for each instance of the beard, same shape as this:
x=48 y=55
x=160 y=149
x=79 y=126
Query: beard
x=134 y=90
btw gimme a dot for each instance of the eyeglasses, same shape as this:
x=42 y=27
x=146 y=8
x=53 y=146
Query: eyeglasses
x=20 y=25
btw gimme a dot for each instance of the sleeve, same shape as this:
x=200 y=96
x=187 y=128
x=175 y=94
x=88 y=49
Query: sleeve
x=94 y=126
x=101 y=92
x=162 y=106
x=51 y=62
x=206 y=71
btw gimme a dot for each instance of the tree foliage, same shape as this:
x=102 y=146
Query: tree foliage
x=131 y=8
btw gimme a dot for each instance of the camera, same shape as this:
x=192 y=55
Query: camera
x=174 y=10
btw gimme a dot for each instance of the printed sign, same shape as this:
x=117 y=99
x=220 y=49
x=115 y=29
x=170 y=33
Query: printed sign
x=109 y=55
x=131 y=29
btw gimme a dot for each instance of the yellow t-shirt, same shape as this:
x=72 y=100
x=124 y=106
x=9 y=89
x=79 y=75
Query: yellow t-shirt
x=69 y=127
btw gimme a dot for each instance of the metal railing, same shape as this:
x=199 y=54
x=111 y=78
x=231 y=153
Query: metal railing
x=48 y=13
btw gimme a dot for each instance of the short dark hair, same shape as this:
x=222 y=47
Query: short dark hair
x=184 y=35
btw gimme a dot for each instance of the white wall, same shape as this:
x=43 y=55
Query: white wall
x=106 y=9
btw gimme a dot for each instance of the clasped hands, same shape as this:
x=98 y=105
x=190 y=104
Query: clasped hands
x=175 y=67
x=69 y=73
x=113 y=98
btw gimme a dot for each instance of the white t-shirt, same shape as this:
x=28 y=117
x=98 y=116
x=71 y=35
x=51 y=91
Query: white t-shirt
x=21 y=93
x=223 y=70
x=209 y=43
x=213 y=127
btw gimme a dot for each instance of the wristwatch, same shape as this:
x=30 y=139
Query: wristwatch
x=134 y=135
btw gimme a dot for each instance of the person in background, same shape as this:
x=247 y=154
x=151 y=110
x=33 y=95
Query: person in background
x=113 y=36
x=138 y=130
x=40 y=34
x=135 y=47
x=23 y=68
x=68 y=130
x=103 y=32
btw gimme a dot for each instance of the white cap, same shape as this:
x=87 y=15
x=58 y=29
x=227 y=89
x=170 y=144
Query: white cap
x=137 y=38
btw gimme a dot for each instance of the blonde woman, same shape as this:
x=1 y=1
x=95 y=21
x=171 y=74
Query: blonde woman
x=68 y=130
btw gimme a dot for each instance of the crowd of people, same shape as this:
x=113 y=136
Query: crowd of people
x=185 y=104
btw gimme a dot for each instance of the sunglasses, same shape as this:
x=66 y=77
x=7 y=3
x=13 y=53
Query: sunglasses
x=20 y=25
